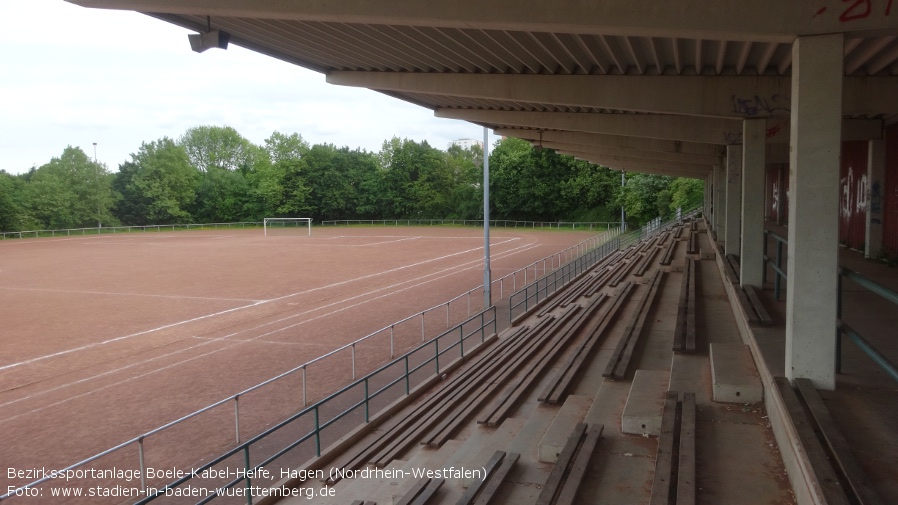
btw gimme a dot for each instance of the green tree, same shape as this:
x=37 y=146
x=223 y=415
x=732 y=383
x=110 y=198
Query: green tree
x=222 y=196
x=158 y=185
x=70 y=191
x=218 y=146
x=686 y=193
x=12 y=215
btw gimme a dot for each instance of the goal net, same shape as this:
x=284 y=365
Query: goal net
x=287 y=226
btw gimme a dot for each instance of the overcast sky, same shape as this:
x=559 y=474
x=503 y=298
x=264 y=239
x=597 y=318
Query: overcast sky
x=75 y=76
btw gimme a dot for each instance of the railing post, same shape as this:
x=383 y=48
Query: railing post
x=249 y=484
x=838 y=321
x=392 y=345
x=423 y=337
x=447 y=315
x=406 y=376
x=366 y=400
x=777 y=279
x=237 y=417
x=461 y=340
x=353 y=360
x=304 y=398
x=436 y=347
x=143 y=465
x=317 y=434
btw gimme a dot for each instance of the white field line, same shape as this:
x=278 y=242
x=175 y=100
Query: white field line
x=388 y=242
x=109 y=293
x=199 y=318
x=233 y=343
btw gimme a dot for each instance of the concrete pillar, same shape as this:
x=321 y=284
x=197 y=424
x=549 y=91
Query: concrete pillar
x=754 y=150
x=876 y=174
x=732 y=240
x=719 y=200
x=815 y=142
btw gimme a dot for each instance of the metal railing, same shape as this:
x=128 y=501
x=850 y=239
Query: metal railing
x=302 y=435
x=503 y=223
x=396 y=335
x=111 y=230
x=532 y=295
x=890 y=369
x=776 y=263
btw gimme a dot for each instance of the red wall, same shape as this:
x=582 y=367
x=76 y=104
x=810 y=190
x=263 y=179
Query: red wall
x=853 y=194
x=890 y=195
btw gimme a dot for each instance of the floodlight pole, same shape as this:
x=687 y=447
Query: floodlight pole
x=97 y=177
x=623 y=182
x=487 y=296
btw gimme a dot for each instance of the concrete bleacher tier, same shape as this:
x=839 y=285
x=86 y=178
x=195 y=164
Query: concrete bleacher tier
x=567 y=433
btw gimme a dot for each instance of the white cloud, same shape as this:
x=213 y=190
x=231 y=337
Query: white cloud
x=74 y=76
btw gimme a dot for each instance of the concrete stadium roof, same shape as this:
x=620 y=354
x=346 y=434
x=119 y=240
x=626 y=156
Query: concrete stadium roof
x=687 y=71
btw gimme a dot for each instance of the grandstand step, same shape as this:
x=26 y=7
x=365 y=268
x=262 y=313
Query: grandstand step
x=645 y=403
x=734 y=376
x=572 y=412
x=707 y=254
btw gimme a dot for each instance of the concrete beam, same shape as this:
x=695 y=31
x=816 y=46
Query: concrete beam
x=723 y=97
x=631 y=153
x=655 y=126
x=633 y=144
x=711 y=96
x=700 y=130
x=724 y=19
x=641 y=165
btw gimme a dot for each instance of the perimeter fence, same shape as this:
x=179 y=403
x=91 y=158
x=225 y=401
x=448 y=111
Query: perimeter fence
x=500 y=223
x=114 y=230
x=197 y=439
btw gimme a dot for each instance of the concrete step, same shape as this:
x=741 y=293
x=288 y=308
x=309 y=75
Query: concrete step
x=645 y=403
x=573 y=411
x=734 y=376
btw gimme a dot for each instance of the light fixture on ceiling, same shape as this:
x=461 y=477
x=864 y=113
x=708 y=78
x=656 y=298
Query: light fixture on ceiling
x=209 y=39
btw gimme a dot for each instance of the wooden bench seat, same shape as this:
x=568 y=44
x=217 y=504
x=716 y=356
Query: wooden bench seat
x=564 y=481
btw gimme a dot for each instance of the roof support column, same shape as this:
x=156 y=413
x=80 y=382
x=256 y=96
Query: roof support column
x=876 y=175
x=732 y=240
x=754 y=150
x=814 y=209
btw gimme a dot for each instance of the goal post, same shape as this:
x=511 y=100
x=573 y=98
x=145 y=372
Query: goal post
x=287 y=225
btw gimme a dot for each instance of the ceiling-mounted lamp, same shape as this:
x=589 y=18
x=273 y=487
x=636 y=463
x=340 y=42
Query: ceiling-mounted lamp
x=210 y=39
x=539 y=147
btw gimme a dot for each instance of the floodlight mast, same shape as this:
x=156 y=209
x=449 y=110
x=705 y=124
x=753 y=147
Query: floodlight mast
x=487 y=295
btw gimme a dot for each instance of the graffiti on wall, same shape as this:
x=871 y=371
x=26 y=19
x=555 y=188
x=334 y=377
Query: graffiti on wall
x=761 y=106
x=852 y=10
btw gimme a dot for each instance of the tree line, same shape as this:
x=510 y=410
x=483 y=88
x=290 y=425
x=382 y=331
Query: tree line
x=213 y=174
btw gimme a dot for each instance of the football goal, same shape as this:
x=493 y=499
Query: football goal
x=287 y=226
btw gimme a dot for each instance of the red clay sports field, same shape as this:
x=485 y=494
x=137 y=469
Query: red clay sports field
x=103 y=338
